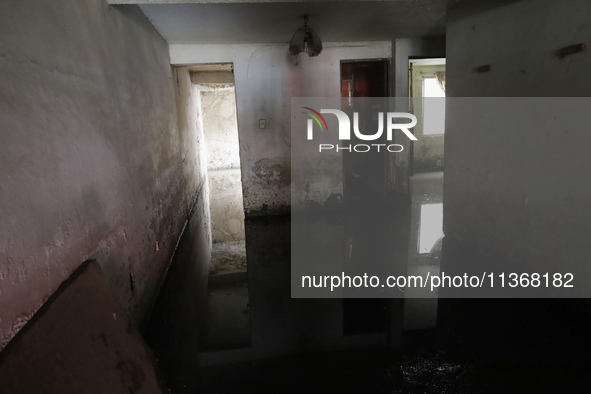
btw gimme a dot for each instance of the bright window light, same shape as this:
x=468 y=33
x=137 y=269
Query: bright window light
x=433 y=108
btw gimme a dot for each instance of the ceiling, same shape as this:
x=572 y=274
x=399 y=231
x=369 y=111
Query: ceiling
x=230 y=23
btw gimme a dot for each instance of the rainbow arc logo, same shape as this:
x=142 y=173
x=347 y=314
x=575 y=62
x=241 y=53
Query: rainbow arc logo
x=316 y=117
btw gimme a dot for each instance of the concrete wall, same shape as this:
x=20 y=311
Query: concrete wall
x=266 y=78
x=218 y=113
x=523 y=197
x=218 y=107
x=227 y=212
x=428 y=149
x=519 y=40
x=179 y=310
x=93 y=163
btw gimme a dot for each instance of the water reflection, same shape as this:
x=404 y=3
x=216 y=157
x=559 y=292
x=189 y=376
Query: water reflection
x=317 y=345
x=424 y=250
x=251 y=315
x=227 y=320
x=431 y=228
x=281 y=325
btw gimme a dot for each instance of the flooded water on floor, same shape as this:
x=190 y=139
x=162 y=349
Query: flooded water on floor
x=254 y=337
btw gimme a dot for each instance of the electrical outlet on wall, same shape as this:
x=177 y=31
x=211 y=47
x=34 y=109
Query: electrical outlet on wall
x=263 y=123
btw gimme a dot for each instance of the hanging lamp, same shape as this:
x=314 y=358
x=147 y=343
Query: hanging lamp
x=305 y=40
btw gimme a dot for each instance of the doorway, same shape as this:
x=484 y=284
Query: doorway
x=226 y=325
x=364 y=176
x=365 y=184
x=427 y=92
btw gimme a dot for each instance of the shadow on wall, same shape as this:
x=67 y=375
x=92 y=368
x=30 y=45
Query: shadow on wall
x=178 y=315
x=178 y=312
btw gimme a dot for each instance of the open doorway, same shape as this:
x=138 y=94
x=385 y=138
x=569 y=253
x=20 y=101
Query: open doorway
x=227 y=325
x=427 y=89
x=364 y=176
x=365 y=183
x=427 y=92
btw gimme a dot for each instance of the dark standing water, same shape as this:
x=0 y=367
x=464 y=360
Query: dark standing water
x=265 y=341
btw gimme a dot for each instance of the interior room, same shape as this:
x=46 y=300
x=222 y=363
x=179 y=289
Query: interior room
x=161 y=174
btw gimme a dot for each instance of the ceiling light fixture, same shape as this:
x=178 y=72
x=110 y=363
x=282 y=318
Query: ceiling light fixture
x=305 y=40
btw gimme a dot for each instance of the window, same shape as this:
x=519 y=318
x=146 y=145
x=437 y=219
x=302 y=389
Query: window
x=433 y=107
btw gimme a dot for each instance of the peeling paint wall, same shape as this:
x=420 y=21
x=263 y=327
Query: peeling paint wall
x=93 y=163
x=266 y=78
x=525 y=198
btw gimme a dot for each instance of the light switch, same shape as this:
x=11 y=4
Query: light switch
x=263 y=123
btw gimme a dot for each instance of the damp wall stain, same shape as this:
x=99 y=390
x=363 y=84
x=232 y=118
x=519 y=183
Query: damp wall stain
x=96 y=161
